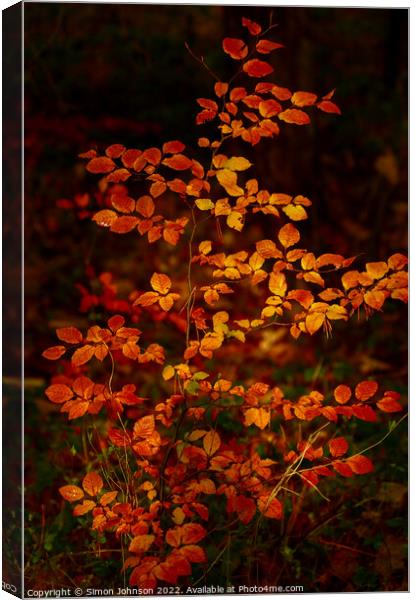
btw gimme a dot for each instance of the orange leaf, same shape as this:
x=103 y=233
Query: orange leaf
x=59 y=393
x=288 y=235
x=211 y=443
x=314 y=321
x=101 y=164
x=160 y=283
x=253 y=28
x=157 y=188
x=389 y=403
x=342 y=394
x=246 y=508
x=281 y=93
x=144 y=427
x=266 y=46
x=83 y=355
x=145 y=206
x=178 y=162
x=303 y=98
x=360 y=464
x=85 y=507
x=124 y=224
x=105 y=217
x=236 y=48
x=192 y=533
x=257 y=416
x=129 y=157
x=115 y=150
x=107 y=498
x=329 y=107
x=173 y=147
x=72 y=493
x=92 y=483
x=270 y=508
x=173 y=537
x=123 y=203
x=147 y=299
x=141 y=543
x=221 y=88
x=294 y=115
x=338 y=446
x=364 y=413
x=278 y=284
x=70 y=335
x=54 y=352
x=257 y=68
x=269 y=108
x=376 y=270
x=365 y=390
x=152 y=155
x=118 y=175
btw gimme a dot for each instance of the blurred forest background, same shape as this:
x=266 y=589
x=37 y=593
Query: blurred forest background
x=102 y=74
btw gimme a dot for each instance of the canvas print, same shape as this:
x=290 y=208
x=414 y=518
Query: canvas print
x=215 y=277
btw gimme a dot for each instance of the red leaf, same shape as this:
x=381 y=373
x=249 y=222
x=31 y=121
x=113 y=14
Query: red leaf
x=365 y=390
x=101 y=164
x=59 y=393
x=115 y=150
x=360 y=464
x=329 y=107
x=178 y=162
x=124 y=224
x=294 y=115
x=236 y=48
x=266 y=46
x=173 y=147
x=54 y=352
x=389 y=403
x=270 y=508
x=83 y=355
x=364 y=413
x=70 y=335
x=338 y=447
x=192 y=533
x=253 y=28
x=257 y=68
x=92 y=483
x=342 y=394
x=194 y=554
x=342 y=468
x=246 y=509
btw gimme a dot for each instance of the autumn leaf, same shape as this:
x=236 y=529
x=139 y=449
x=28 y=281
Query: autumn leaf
x=173 y=147
x=236 y=48
x=192 y=533
x=360 y=464
x=72 y=493
x=211 y=443
x=101 y=164
x=278 y=284
x=246 y=508
x=194 y=554
x=122 y=203
x=313 y=321
x=365 y=390
x=228 y=180
x=83 y=355
x=342 y=394
x=257 y=68
x=271 y=508
x=269 y=108
x=92 y=483
x=295 y=116
x=85 y=507
x=54 y=352
x=237 y=163
x=266 y=46
x=115 y=150
x=257 y=416
x=338 y=446
x=178 y=162
x=303 y=98
x=59 y=393
x=389 y=403
x=70 y=335
x=253 y=28
x=288 y=235
x=141 y=543
x=328 y=107
x=221 y=88
x=105 y=217
x=160 y=283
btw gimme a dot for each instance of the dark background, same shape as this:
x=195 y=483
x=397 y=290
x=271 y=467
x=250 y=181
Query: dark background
x=97 y=74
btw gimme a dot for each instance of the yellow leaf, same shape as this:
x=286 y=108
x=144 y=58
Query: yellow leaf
x=288 y=235
x=335 y=312
x=205 y=247
x=166 y=302
x=257 y=416
x=256 y=261
x=235 y=221
x=374 y=299
x=228 y=180
x=314 y=321
x=377 y=270
x=168 y=372
x=178 y=515
x=204 y=204
x=211 y=443
x=296 y=213
x=160 y=283
x=278 y=284
x=237 y=163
